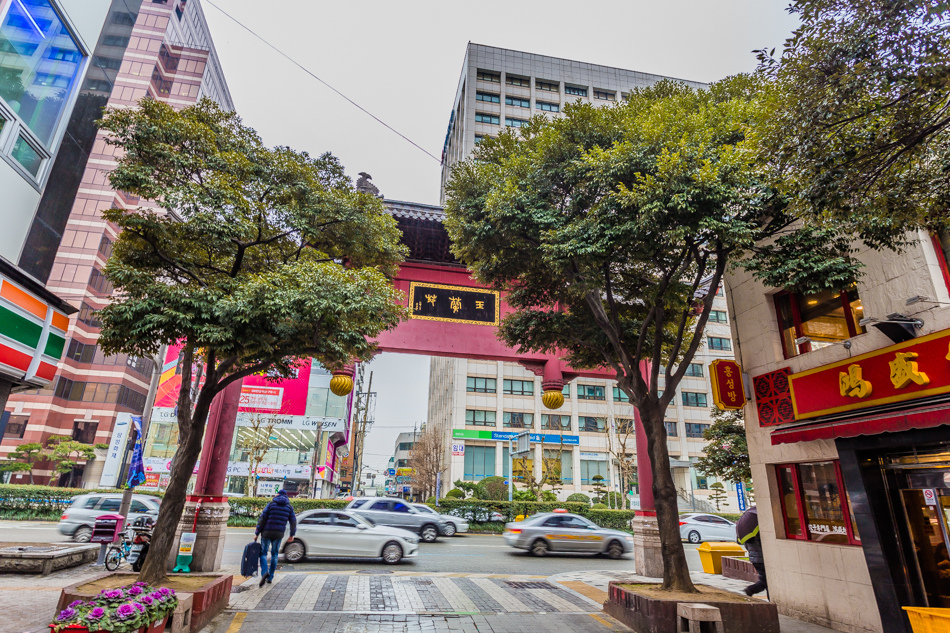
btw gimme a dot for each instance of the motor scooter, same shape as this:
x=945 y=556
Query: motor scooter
x=142 y=530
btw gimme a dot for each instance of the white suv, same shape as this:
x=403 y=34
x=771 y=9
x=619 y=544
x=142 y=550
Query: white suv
x=399 y=514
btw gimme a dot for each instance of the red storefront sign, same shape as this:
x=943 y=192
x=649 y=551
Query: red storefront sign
x=727 y=391
x=906 y=371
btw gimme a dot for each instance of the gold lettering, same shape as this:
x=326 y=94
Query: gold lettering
x=430 y=299
x=456 y=303
x=418 y=306
x=904 y=370
x=852 y=383
x=479 y=305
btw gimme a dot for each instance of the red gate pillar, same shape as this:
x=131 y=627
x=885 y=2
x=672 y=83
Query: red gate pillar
x=208 y=498
x=647 y=549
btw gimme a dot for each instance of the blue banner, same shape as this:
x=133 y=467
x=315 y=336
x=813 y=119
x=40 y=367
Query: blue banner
x=137 y=465
x=740 y=492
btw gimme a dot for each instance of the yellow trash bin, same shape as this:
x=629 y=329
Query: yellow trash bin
x=928 y=619
x=711 y=554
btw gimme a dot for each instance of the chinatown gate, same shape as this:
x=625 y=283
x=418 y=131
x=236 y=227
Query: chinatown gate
x=452 y=316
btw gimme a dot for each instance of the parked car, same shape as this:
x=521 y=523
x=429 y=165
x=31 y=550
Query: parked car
x=476 y=514
x=453 y=525
x=332 y=533
x=565 y=532
x=79 y=517
x=399 y=514
x=696 y=528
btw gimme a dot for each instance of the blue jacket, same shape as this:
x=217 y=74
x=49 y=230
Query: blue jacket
x=275 y=516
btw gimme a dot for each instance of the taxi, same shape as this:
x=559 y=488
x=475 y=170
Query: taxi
x=565 y=532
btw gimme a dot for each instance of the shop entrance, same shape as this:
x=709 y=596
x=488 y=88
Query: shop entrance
x=922 y=492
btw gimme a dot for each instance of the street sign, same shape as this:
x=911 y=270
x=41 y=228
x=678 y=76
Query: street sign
x=523 y=444
x=405 y=488
x=930 y=496
x=458 y=450
x=740 y=493
x=392 y=472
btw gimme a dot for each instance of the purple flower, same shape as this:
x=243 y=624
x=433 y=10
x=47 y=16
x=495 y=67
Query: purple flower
x=135 y=590
x=96 y=614
x=125 y=611
x=157 y=596
x=139 y=607
x=165 y=591
x=140 y=584
x=113 y=594
x=76 y=603
x=148 y=600
x=66 y=614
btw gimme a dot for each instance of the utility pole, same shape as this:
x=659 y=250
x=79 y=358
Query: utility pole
x=363 y=405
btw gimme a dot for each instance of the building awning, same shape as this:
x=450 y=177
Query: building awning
x=874 y=424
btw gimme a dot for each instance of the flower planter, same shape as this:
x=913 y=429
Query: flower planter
x=154 y=627
x=650 y=611
x=136 y=608
x=739 y=569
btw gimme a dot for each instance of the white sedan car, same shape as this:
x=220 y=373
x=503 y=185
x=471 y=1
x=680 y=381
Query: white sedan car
x=696 y=528
x=331 y=533
x=452 y=524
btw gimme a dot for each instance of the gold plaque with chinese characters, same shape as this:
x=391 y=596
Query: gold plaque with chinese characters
x=454 y=304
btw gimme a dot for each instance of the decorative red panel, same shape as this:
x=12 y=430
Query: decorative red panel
x=773 y=398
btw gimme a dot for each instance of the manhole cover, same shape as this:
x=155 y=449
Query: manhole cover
x=529 y=585
x=374 y=572
x=422 y=582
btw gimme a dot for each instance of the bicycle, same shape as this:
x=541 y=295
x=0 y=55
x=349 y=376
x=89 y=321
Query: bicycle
x=118 y=553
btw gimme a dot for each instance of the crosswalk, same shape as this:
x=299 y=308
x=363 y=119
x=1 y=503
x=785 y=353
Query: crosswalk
x=409 y=593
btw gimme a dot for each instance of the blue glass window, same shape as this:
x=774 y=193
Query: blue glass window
x=39 y=65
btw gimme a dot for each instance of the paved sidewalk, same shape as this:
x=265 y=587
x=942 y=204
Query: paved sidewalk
x=27 y=602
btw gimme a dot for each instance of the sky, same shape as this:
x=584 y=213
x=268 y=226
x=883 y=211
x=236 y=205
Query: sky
x=402 y=60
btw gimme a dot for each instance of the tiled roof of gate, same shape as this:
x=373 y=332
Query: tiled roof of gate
x=414 y=210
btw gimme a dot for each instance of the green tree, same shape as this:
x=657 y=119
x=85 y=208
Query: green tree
x=717 y=494
x=611 y=228
x=455 y=493
x=259 y=258
x=726 y=453
x=66 y=454
x=23 y=459
x=857 y=123
x=578 y=497
x=469 y=488
x=492 y=489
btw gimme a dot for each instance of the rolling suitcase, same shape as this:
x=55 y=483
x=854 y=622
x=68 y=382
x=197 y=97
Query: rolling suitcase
x=251 y=559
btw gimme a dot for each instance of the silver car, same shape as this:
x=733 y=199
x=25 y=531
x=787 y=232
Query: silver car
x=452 y=525
x=696 y=528
x=80 y=516
x=564 y=532
x=399 y=514
x=332 y=533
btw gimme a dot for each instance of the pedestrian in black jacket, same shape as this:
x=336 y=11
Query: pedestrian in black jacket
x=747 y=533
x=270 y=527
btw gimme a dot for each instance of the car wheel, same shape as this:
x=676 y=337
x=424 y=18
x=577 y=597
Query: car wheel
x=392 y=553
x=614 y=550
x=294 y=552
x=694 y=537
x=540 y=547
x=82 y=535
x=429 y=533
x=450 y=529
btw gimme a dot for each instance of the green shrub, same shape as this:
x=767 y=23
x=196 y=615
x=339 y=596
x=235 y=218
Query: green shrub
x=612 y=519
x=455 y=493
x=578 y=497
x=431 y=500
x=547 y=495
x=599 y=506
x=612 y=500
x=492 y=489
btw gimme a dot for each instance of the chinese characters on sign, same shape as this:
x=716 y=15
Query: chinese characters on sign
x=728 y=392
x=905 y=371
x=455 y=304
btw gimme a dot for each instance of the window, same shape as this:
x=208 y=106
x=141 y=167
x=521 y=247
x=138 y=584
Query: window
x=480 y=385
x=99 y=282
x=477 y=417
x=695 y=370
x=85 y=432
x=481 y=117
x=402 y=508
x=519 y=387
x=590 y=392
x=693 y=399
x=359 y=502
x=702 y=483
x=547 y=86
x=813 y=506
x=620 y=396
x=180 y=9
x=405 y=446
x=87 y=315
x=518 y=420
x=345 y=520
x=824 y=318
x=566 y=391
x=162 y=86
x=718 y=316
x=107 y=62
x=487 y=75
x=138 y=506
x=695 y=430
x=479 y=138
x=719 y=343
x=671 y=429
x=547 y=107
x=168 y=60
x=98 y=85
x=487 y=97
x=515 y=80
x=559 y=465
x=91 y=502
x=592 y=425
x=624 y=426
x=105 y=247
x=16 y=427
x=575 y=90
x=320 y=518
x=479 y=463
x=124 y=18
x=110 y=504
x=115 y=40
x=604 y=95
x=510 y=122
x=27 y=155
x=555 y=422
x=515 y=101
x=591 y=468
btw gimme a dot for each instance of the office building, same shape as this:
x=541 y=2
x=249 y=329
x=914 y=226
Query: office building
x=398 y=478
x=161 y=49
x=501 y=88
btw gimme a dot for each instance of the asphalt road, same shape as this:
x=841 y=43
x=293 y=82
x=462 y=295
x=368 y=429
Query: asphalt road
x=466 y=553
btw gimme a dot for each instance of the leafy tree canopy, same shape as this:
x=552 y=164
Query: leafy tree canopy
x=857 y=123
x=726 y=454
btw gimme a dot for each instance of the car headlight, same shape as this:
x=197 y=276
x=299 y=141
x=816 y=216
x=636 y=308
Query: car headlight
x=412 y=539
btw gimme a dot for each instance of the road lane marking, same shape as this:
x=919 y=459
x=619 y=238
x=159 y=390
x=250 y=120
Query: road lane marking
x=588 y=591
x=237 y=622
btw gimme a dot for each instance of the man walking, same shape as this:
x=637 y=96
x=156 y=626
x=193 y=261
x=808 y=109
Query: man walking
x=747 y=533
x=270 y=527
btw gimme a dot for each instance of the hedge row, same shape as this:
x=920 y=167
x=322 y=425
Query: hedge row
x=480 y=510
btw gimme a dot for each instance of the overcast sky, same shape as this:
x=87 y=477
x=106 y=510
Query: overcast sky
x=402 y=61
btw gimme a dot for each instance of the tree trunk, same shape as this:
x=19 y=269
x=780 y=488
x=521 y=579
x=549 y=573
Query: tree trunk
x=154 y=569
x=675 y=572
